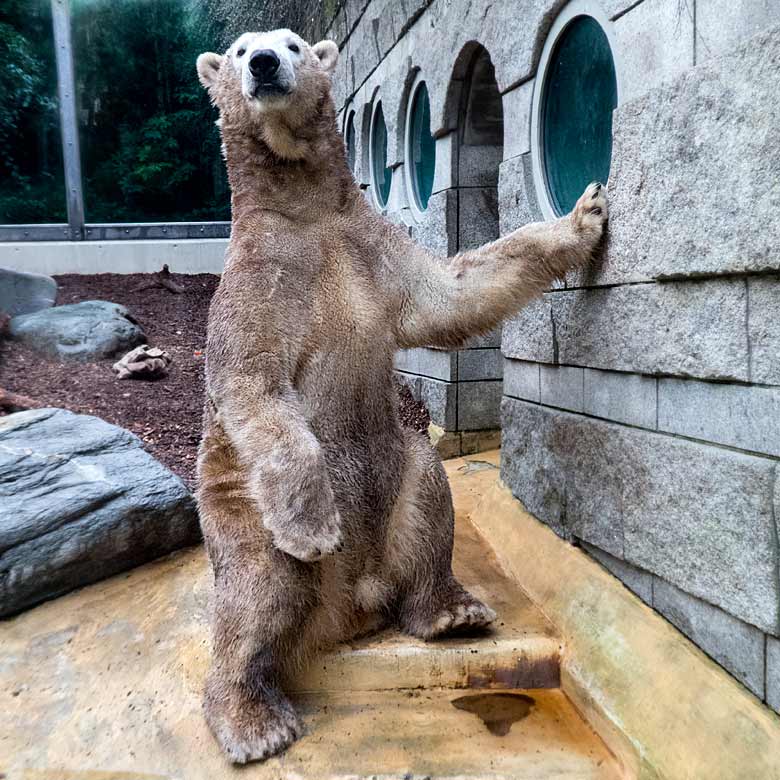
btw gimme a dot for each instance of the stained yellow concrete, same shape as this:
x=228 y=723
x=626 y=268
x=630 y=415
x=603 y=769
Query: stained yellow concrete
x=388 y=734
x=106 y=683
x=665 y=708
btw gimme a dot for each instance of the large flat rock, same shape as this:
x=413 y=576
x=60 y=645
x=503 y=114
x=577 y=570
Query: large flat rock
x=80 y=500
x=22 y=293
x=85 y=331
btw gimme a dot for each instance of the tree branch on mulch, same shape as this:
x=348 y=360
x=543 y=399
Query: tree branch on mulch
x=161 y=279
x=12 y=402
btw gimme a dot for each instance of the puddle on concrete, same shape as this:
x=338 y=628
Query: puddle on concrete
x=498 y=711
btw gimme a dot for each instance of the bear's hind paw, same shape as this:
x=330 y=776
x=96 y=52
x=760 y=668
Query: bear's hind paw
x=255 y=737
x=465 y=614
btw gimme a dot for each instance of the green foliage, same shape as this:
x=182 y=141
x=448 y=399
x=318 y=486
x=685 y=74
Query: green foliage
x=309 y=18
x=149 y=148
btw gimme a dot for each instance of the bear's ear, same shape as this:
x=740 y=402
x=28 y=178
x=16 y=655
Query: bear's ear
x=327 y=52
x=208 y=67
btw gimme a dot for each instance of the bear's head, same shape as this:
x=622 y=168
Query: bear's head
x=269 y=83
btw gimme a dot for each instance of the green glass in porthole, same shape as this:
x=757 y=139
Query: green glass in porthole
x=580 y=94
x=381 y=173
x=350 y=140
x=422 y=147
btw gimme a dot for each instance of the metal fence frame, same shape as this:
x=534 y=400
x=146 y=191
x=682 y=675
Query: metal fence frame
x=76 y=228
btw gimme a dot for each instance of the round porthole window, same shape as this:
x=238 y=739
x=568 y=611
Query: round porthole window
x=573 y=112
x=381 y=175
x=420 y=147
x=351 y=141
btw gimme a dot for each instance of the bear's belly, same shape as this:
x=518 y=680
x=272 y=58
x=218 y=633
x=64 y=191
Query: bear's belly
x=351 y=407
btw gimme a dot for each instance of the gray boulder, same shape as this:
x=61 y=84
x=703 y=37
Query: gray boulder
x=85 y=331
x=79 y=501
x=22 y=293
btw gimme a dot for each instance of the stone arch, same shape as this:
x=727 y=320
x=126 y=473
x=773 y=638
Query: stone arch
x=400 y=109
x=475 y=112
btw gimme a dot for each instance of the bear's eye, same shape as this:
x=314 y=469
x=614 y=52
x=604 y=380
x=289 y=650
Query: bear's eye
x=241 y=52
x=294 y=47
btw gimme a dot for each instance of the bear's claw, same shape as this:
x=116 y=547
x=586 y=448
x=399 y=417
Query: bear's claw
x=466 y=613
x=590 y=211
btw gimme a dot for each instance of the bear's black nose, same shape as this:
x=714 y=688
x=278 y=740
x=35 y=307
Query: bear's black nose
x=263 y=64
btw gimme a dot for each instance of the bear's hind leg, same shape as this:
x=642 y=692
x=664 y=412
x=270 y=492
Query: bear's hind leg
x=262 y=600
x=431 y=602
x=256 y=625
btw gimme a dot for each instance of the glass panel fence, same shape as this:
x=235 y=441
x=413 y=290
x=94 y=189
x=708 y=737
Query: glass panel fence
x=149 y=148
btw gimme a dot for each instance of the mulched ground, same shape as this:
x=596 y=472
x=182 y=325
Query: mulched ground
x=165 y=414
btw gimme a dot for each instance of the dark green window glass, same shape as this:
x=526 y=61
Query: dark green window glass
x=350 y=141
x=32 y=185
x=580 y=93
x=149 y=149
x=381 y=173
x=422 y=147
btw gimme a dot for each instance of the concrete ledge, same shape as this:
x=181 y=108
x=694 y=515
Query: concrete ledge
x=398 y=662
x=191 y=256
x=453 y=444
x=662 y=706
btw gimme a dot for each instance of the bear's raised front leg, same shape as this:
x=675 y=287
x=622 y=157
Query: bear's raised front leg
x=418 y=553
x=444 y=303
x=262 y=599
x=286 y=475
x=283 y=461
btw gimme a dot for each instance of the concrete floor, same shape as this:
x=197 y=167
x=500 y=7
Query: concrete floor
x=106 y=683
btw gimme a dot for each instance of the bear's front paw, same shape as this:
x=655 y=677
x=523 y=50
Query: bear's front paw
x=309 y=540
x=590 y=211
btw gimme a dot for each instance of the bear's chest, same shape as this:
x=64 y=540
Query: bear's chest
x=347 y=364
x=350 y=313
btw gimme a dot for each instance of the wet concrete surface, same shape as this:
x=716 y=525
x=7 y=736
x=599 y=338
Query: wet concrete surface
x=498 y=711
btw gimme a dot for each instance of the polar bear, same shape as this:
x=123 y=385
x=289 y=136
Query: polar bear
x=322 y=517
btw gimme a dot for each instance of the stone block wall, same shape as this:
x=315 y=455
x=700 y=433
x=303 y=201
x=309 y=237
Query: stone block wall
x=641 y=410
x=640 y=399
